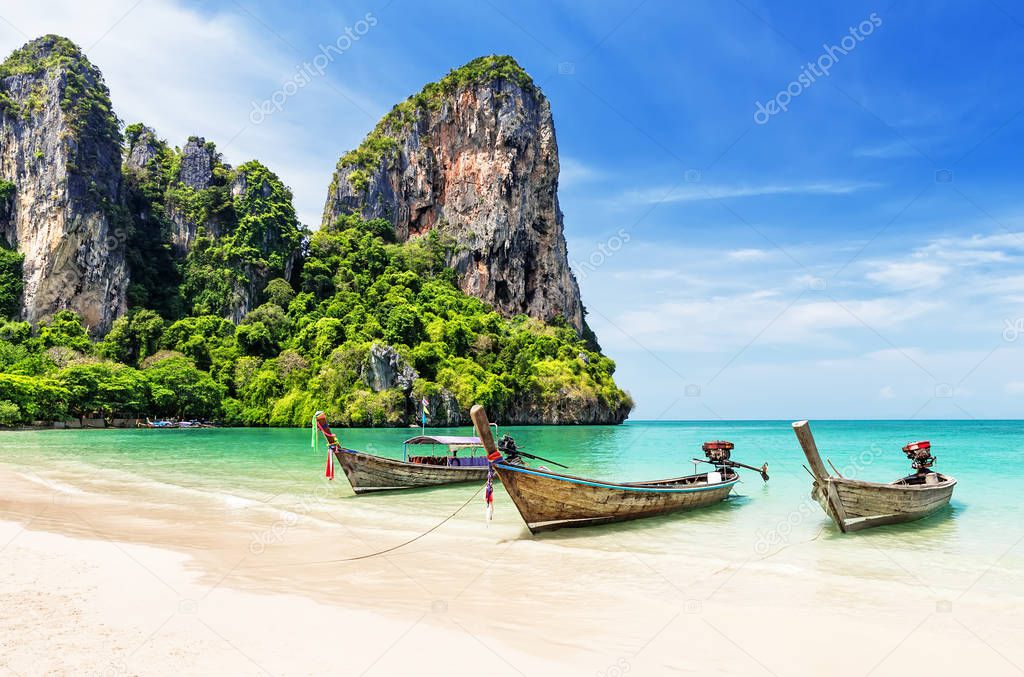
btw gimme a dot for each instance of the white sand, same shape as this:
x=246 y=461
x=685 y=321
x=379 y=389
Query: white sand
x=113 y=584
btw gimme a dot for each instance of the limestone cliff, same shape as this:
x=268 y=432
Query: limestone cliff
x=230 y=230
x=60 y=147
x=198 y=160
x=475 y=157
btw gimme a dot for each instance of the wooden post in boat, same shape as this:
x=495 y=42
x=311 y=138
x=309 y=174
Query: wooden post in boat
x=803 y=434
x=483 y=429
x=824 y=488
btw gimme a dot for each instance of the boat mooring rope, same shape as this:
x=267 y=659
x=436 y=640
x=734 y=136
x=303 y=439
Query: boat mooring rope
x=379 y=552
x=804 y=542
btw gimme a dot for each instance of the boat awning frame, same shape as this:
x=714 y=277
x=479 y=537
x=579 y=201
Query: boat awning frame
x=446 y=440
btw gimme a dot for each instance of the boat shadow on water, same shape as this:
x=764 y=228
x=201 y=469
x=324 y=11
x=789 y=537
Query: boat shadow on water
x=384 y=498
x=927 y=530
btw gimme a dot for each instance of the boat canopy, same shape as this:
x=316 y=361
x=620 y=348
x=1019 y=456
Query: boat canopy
x=447 y=440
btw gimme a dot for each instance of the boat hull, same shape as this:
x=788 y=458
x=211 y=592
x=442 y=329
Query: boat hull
x=550 y=501
x=854 y=505
x=369 y=474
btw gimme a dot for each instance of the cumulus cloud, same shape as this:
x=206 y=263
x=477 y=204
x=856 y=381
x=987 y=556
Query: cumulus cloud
x=767 y=315
x=886 y=151
x=748 y=254
x=901 y=275
x=572 y=172
x=697 y=192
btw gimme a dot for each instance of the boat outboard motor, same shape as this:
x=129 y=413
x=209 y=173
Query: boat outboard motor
x=920 y=455
x=507 y=447
x=718 y=451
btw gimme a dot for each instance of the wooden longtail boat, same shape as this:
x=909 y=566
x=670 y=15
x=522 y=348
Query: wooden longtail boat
x=548 y=500
x=368 y=473
x=173 y=425
x=855 y=504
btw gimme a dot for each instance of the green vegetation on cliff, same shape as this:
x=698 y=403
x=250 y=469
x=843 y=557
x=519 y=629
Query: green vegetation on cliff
x=85 y=99
x=311 y=347
x=246 y=231
x=238 y=313
x=11 y=283
x=258 y=241
x=153 y=272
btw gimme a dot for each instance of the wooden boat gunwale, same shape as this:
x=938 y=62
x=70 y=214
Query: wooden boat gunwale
x=418 y=474
x=661 y=498
x=408 y=464
x=944 y=480
x=648 y=486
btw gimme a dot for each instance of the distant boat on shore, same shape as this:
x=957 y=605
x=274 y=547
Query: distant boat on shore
x=855 y=504
x=174 y=424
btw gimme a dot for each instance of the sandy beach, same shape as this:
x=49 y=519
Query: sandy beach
x=122 y=582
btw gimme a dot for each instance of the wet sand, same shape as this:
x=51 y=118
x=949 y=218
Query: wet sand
x=136 y=580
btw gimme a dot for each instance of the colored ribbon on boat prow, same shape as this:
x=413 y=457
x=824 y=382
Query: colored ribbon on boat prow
x=320 y=421
x=483 y=432
x=489 y=493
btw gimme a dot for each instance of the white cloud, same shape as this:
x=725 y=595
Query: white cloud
x=903 y=275
x=886 y=151
x=701 y=310
x=977 y=249
x=1015 y=388
x=696 y=192
x=572 y=172
x=748 y=254
x=652 y=274
x=767 y=315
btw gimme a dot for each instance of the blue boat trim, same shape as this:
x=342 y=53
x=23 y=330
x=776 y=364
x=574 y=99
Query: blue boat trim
x=620 y=487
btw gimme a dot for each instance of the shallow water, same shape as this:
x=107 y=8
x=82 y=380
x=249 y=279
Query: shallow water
x=980 y=533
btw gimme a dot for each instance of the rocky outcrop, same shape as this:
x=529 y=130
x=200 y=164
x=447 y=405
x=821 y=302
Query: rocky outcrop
x=566 y=410
x=262 y=219
x=143 y=148
x=569 y=409
x=473 y=156
x=60 y=147
x=443 y=410
x=197 y=162
x=385 y=369
x=197 y=159
x=215 y=217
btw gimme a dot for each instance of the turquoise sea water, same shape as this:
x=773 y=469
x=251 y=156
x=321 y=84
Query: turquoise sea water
x=982 y=528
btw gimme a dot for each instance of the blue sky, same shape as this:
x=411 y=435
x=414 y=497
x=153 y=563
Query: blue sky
x=856 y=255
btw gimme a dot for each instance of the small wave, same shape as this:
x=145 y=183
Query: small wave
x=52 y=485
